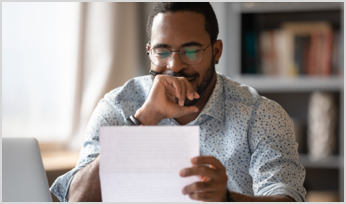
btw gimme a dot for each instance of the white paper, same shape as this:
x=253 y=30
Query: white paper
x=142 y=164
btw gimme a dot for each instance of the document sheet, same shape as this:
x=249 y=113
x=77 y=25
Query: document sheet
x=142 y=164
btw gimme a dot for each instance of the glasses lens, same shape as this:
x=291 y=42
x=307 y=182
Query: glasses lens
x=160 y=56
x=192 y=55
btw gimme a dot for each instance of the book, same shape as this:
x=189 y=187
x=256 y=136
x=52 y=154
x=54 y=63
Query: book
x=265 y=48
x=318 y=58
x=297 y=48
x=326 y=58
x=250 y=53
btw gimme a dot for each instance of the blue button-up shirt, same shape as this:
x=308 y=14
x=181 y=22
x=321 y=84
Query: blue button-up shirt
x=250 y=135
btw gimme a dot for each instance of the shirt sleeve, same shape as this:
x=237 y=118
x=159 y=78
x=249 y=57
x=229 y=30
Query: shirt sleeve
x=274 y=165
x=105 y=114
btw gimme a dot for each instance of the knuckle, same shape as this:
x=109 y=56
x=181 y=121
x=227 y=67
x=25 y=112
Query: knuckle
x=188 y=171
x=203 y=185
x=202 y=196
x=194 y=170
x=204 y=169
x=198 y=185
x=158 y=78
x=195 y=185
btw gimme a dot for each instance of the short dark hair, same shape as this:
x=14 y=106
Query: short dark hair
x=211 y=24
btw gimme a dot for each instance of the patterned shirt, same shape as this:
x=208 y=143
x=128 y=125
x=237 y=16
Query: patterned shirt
x=250 y=135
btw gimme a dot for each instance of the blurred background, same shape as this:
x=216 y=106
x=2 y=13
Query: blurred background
x=59 y=59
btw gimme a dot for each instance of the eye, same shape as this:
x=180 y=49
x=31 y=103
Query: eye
x=191 y=53
x=162 y=53
x=191 y=50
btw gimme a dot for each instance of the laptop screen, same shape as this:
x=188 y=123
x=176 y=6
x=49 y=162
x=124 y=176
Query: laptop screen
x=23 y=176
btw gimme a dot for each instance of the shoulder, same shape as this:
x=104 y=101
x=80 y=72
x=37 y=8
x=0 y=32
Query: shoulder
x=237 y=92
x=134 y=90
x=119 y=104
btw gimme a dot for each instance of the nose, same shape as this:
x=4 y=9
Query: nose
x=176 y=64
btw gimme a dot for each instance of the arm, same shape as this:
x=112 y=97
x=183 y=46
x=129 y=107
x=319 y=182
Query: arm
x=85 y=186
x=237 y=197
x=213 y=185
x=88 y=156
x=274 y=165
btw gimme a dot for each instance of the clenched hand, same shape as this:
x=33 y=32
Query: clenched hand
x=213 y=184
x=160 y=103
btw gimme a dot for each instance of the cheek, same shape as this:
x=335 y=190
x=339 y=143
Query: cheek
x=198 y=81
x=201 y=70
x=156 y=68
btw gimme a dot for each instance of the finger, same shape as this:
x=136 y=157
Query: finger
x=200 y=171
x=184 y=110
x=183 y=92
x=204 y=178
x=195 y=95
x=176 y=84
x=202 y=196
x=189 y=89
x=200 y=160
x=169 y=84
x=202 y=186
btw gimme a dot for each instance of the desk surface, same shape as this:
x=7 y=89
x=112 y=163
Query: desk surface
x=59 y=160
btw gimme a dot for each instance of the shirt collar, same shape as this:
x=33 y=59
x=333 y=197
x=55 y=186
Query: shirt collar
x=215 y=105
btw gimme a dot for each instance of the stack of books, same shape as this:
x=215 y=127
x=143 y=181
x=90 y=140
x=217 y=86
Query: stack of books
x=296 y=48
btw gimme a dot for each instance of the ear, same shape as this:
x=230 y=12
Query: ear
x=217 y=49
x=148 y=47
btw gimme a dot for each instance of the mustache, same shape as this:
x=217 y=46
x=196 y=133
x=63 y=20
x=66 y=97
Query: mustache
x=180 y=74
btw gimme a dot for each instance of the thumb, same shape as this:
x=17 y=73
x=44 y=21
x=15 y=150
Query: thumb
x=184 y=110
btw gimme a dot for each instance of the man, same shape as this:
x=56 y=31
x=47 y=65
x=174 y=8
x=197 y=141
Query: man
x=247 y=141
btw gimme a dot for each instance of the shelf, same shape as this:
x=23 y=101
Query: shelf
x=296 y=84
x=322 y=196
x=329 y=162
x=263 y=7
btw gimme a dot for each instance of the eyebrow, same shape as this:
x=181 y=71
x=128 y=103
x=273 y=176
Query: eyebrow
x=193 y=43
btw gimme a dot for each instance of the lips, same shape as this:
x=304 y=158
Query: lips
x=191 y=79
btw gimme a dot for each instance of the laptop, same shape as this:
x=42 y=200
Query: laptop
x=23 y=176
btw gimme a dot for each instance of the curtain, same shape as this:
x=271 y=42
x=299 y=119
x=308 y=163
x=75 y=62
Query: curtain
x=108 y=57
x=60 y=59
x=39 y=58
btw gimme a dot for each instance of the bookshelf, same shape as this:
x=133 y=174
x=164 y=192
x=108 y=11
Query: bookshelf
x=332 y=162
x=291 y=92
x=296 y=84
x=256 y=7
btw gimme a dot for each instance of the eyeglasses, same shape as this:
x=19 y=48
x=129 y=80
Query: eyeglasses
x=162 y=56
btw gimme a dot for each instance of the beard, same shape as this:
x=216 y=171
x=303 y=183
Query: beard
x=208 y=77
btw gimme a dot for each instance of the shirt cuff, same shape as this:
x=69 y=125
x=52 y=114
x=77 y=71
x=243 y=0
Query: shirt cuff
x=61 y=185
x=282 y=189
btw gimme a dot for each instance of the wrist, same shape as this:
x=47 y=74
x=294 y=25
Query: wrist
x=145 y=117
x=229 y=196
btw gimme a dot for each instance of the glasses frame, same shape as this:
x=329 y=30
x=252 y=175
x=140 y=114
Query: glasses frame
x=171 y=51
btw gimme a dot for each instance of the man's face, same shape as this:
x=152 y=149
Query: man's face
x=175 y=31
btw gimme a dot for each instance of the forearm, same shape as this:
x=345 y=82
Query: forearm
x=146 y=118
x=85 y=185
x=237 y=197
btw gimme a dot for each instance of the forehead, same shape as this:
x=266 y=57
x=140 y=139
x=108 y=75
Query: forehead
x=178 y=28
